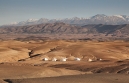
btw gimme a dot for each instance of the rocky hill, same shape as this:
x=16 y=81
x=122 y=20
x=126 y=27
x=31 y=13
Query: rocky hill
x=62 y=28
x=114 y=30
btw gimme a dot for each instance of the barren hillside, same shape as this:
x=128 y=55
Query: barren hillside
x=64 y=30
x=48 y=58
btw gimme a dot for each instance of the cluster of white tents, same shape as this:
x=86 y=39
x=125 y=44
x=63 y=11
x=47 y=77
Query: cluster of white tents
x=65 y=59
x=62 y=59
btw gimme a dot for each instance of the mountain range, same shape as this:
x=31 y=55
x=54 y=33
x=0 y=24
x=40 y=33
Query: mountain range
x=94 y=30
x=97 y=19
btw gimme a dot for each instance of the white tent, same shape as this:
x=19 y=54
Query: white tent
x=54 y=59
x=45 y=59
x=90 y=60
x=77 y=59
x=63 y=59
x=100 y=59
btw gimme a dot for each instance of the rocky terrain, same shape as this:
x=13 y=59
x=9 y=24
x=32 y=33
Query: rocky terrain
x=31 y=61
x=66 y=31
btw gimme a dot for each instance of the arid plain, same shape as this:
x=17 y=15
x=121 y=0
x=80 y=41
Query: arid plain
x=61 y=61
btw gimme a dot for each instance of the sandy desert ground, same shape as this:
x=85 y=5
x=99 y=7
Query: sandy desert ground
x=61 y=61
x=87 y=78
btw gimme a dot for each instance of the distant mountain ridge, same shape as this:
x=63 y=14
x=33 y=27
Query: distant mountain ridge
x=97 y=19
x=63 y=28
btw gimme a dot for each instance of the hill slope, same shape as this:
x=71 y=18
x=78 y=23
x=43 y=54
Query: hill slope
x=62 y=28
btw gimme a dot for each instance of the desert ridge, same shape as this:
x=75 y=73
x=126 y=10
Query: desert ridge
x=51 y=58
x=62 y=50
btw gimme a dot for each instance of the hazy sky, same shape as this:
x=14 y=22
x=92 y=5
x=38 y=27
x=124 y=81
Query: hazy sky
x=20 y=10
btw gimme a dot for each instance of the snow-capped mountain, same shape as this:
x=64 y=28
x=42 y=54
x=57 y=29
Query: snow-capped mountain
x=97 y=19
x=31 y=20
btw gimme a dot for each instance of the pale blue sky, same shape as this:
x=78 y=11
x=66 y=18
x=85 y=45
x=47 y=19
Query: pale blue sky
x=20 y=10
